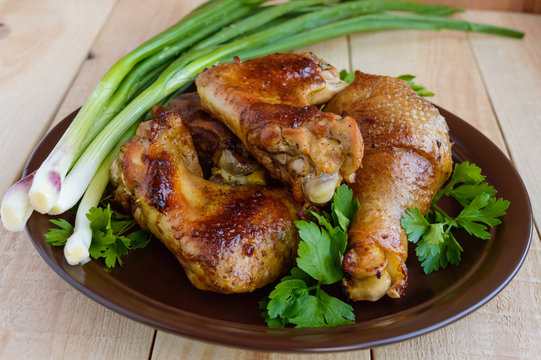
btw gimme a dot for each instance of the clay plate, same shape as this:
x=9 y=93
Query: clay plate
x=152 y=288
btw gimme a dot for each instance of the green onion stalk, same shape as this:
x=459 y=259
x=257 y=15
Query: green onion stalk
x=48 y=179
x=373 y=23
x=15 y=208
x=76 y=250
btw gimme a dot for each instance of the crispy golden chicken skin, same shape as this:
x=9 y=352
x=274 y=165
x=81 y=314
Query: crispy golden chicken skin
x=267 y=102
x=228 y=239
x=407 y=159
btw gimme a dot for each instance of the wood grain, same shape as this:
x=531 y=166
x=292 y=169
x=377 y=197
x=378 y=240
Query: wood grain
x=512 y=67
x=42 y=45
x=169 y=346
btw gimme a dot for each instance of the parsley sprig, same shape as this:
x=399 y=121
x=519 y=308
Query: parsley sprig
x=299 y=299
x=112 y=234
x=418 y=88
x=347 y=76
x=436 y=245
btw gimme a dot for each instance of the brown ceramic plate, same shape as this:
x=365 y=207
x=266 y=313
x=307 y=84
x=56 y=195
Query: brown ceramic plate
x=152 y=288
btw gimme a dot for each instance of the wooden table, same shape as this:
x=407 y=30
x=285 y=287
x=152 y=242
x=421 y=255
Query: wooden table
x=52 y=53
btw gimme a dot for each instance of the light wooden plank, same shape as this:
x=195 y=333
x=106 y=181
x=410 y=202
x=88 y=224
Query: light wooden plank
x=512 y=73
x=335 y=52
x=169 y=346
x=41 y=315
x=445 y=64
x=42 y=45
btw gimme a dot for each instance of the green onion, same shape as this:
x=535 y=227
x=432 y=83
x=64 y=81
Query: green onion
x=48 y=179
x=376 y=22
x=77 y=245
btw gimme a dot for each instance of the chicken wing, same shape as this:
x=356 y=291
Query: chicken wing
x=267 y=102
x=228 y=239
x=407 y=159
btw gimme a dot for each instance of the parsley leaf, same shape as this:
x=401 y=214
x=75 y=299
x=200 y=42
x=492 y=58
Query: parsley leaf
x=291 y=303
x=481 y=212
x=322 y=310
x=470 y=176
x=344 y=206
x=467 y=173
x=418 y=88
x=349 y=77
x=108 y=240
x=436 y=245
x=58 y=237
x=316 y=255
x=415 y=224
x=464 y=194
x=335 y=311
x=110 y=237
x=298 y=299
x=430 y=249
x=283 y=299
x=138 y=239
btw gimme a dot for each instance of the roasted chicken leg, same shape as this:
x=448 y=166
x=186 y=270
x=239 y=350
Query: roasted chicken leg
x=228 y=239
x=407 y=159
x=267 y=102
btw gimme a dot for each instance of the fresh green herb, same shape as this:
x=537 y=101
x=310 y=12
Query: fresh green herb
x=299 y=299
x=418 y=88
x=111 y=236
x=436 y=245
x=347 y=76
x=58 y=237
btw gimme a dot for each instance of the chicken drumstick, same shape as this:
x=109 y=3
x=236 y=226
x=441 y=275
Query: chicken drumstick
x=407 y=159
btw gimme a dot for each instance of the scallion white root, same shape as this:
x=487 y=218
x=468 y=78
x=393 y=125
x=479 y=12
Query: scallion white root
x=16 y=208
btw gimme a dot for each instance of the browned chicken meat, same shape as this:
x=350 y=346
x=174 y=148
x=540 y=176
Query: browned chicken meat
x=228 y=239
x=222 y=156
x=407 y=159
x=267 y=102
